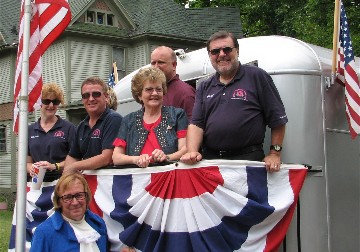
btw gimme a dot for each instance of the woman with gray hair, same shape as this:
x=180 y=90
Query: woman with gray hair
x=72 y=227
x=155 y=133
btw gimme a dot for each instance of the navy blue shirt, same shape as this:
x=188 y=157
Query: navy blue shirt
x=90 y=142
x=51 y=146
x=235 y=115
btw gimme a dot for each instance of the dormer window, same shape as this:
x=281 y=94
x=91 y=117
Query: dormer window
x=110 y=19
x=90 y=17
x=100 y=18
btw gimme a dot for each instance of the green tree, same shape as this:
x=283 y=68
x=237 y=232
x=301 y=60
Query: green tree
x=309 y=20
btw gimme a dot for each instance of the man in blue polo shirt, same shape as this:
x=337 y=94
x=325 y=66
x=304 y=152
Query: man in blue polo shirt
x=232 y=109
x=93 y=147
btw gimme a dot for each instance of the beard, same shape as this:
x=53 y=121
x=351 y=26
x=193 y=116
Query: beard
x=227 y=69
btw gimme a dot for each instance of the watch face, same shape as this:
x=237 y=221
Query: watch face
x=275 y=147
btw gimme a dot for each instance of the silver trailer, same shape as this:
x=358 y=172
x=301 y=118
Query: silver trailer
x=328 y=212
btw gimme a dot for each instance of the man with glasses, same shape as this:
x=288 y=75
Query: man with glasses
x=232 y=109
x=179 y=94
x=93 y=147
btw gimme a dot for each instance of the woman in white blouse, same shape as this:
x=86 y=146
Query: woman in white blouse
x=72 y=227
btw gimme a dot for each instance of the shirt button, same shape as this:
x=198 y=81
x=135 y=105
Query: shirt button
x=223 y=93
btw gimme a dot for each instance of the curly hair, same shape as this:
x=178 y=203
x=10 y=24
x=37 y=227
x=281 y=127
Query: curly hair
x=65 y=181
x=151 y=74
x=53 y=89
x=112 y=102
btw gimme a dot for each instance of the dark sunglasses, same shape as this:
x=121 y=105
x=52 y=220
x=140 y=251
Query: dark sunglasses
x=48 y=101
x=93 y=94
x=226 y=50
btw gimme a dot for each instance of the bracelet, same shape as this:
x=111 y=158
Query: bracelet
x=57 y=166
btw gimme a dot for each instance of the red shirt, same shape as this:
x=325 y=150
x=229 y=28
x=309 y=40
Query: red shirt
x=151 y=142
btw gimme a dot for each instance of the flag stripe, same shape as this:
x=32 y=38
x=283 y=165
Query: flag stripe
x=347 y=76
x=48 y=20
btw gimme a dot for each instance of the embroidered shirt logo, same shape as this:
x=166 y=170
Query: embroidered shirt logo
x=96 y=133
x=59 y=133
x=239 y=94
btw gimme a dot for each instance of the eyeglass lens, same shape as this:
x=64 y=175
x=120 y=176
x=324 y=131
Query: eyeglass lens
x=69 y=197
x=48 y=101
x=93 y=94
x=151 y=90
x=226 y=50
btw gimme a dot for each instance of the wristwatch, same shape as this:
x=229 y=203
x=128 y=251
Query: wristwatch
x=276 y=147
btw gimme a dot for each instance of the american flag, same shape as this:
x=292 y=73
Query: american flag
x=346 y=75
x=49 y=18
x=111 y=80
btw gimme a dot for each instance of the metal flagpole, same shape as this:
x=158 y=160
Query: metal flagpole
x=23 y=135
x=335 y=41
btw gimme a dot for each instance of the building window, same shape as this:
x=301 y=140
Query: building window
x=2 y=138
x=100 y=18
x=110 y=19
x=90 y=17
x=119 y=58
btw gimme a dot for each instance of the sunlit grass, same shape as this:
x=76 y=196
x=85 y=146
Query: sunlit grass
x=5 y=228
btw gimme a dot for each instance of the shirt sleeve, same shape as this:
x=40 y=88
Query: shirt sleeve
x=118 y=142
x=188 y=102
x=181 y=120
x=110 y=131
x=181 y=133
x=40 y=241
x=75 y=151
x=272 y=104
x=71 y=135
x=121 y=137
x=197 y=113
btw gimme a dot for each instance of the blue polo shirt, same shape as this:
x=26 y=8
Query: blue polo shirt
x=90 y=142
x=51 y=146
x=235 y=115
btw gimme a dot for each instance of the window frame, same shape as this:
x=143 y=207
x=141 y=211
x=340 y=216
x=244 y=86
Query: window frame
x=3 y=147
x=121 y=68
x=105 y=15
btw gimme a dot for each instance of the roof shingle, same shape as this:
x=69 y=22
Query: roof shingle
x=151 y=17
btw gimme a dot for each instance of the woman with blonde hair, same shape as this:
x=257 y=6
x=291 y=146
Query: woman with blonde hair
x=50 y=137
x=155 y=133
x=72 y=227
x=49 y=141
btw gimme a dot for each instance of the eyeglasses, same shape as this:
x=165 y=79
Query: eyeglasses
x=151 y=90
x=226 y=50
x=67 y=198
x=48 y=101
x=93 y=94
